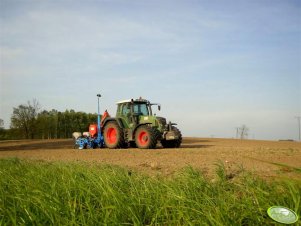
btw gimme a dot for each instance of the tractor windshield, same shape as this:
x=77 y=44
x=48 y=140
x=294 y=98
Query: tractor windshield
x=141 y=109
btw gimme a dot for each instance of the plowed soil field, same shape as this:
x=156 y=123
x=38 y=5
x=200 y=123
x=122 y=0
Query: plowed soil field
x=268 y=159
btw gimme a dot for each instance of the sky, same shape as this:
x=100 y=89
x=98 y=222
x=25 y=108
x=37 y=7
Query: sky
x=213 y=65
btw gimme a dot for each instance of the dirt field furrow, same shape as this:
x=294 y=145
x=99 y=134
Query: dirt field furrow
x=265 y=158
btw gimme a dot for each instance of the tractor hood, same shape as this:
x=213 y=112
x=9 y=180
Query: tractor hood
x=161 y=120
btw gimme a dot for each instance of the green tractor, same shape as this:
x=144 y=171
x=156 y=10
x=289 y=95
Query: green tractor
x=136 y=126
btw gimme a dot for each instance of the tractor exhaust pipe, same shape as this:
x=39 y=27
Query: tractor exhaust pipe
x=170 y=124
x=98 y=114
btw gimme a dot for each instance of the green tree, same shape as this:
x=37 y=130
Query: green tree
x=2 y=130
x=28 y=122
x=24 y=118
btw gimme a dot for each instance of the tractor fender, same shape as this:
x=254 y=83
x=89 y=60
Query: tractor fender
x=136 y=127
x=110 y=119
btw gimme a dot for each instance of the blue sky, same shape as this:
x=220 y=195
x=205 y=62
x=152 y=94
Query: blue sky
x=213 y=65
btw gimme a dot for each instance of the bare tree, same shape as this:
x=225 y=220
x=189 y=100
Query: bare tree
x=1 y=124
x=24 y=118
x=243 y=132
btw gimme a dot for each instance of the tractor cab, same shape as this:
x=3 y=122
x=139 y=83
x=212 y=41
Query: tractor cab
x=141 y=108
x=131 y=110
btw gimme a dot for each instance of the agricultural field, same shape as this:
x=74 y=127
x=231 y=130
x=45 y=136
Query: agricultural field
x=267 y=159
x=205 y=182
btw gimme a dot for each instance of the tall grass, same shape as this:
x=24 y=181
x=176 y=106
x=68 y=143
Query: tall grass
x=41 y=193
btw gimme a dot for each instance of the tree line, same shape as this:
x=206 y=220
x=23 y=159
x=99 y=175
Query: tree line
x=29 y=122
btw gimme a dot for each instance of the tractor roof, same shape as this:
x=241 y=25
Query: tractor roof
x=134 y=100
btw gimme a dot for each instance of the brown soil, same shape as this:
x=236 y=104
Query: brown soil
x=268 y=159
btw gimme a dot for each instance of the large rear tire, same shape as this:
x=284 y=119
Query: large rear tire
x=146 y=137
x=173 y=143
x=113 y=135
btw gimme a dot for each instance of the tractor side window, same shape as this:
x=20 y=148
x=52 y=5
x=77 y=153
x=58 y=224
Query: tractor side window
x=126 y=109
x=141 y=109
x=119 y=109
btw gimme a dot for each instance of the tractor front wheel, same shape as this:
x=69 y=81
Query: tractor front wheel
x=113 y=135
x=146 y=137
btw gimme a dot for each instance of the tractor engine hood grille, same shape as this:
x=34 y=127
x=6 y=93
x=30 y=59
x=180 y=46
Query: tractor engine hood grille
x=162 y=120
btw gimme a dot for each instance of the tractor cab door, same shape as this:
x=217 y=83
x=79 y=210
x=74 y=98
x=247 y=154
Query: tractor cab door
x=125 y=113
x=140 y=109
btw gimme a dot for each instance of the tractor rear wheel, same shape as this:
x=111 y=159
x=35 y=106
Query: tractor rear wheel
x=173 y=143
x=146 y=137
x=113 y=135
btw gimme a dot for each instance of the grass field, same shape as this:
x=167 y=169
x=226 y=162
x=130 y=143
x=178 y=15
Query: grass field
x=38 y=192
x=205 y=182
